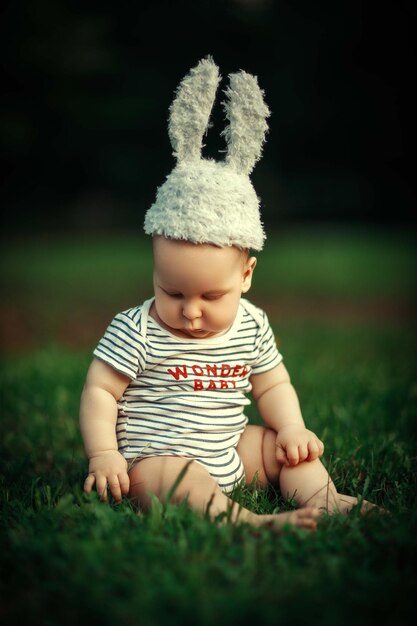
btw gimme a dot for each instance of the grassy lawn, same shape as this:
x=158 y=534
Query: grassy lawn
x=67 y=558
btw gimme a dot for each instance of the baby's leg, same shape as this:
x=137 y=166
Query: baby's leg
x=313 y=486
x=157 y=475
x=308 y=483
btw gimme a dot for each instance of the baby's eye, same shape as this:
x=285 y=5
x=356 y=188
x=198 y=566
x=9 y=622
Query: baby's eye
x=172 y=294
x=213 y=296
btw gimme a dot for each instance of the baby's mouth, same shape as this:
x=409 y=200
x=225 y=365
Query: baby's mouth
x=196 y=332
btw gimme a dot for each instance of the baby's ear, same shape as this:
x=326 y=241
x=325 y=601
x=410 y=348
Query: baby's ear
x=248 y=270
x=191 y=108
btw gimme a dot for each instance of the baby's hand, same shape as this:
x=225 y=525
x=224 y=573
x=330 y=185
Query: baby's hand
x=295 y=444
x=108 y=470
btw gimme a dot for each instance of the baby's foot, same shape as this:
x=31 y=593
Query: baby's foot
x=347 y=503
x=300 y=518
x=368 y=507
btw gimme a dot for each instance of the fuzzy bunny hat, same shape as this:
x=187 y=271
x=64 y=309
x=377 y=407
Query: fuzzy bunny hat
x=207 y=201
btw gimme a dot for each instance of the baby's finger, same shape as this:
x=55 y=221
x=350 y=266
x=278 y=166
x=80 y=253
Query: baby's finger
x=89 y=483
x=281 y=455
x=320 y=448
x=124 y=483
x=313 y=450
x=101 y=486
x=114 y=487
x=302 y=452
x=292 y=455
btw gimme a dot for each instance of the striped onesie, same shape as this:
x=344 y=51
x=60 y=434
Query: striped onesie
x=186 y=396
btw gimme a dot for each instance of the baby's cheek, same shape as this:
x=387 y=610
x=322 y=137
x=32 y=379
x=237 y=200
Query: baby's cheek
x=164 y=311
x=172 y=311
x=223 y=320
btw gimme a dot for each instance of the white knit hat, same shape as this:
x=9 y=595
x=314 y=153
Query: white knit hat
x=207 y=201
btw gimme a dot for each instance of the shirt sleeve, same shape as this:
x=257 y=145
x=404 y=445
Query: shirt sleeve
x=268 y=355
x=122 y=345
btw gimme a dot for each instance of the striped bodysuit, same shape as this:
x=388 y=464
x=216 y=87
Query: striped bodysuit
x=186 y=396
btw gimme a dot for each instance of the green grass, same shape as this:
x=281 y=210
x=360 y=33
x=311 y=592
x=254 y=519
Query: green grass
x=340 y=263
x=66 y=558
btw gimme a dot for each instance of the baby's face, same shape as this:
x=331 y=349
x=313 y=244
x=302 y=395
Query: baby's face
x=198 y=286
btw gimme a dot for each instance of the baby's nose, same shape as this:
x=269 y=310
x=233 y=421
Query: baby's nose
x=191 y=310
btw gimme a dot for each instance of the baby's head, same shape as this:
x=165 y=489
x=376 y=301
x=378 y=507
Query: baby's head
x=206 y=214
x=198 y=287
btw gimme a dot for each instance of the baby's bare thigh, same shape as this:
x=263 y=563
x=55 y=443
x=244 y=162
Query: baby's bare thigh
x=158 y=474
x=257 y=450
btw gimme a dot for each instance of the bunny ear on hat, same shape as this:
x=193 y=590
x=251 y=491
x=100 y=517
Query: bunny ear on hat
x=247 y=113
x=207 y=201
x=191 y=108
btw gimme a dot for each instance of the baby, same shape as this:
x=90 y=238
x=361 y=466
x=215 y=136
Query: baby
x=166 y=391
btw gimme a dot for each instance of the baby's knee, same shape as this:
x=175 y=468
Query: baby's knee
x=173 y=477
x=188 y=481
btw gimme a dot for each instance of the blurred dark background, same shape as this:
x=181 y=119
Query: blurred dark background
x=87 y=85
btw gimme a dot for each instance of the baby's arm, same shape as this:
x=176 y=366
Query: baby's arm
x=98 y=415
x=279 y=407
